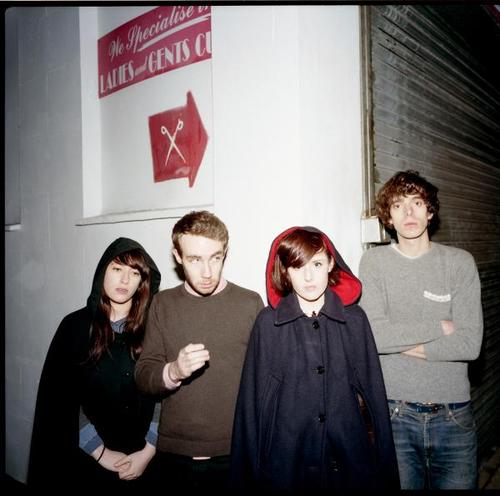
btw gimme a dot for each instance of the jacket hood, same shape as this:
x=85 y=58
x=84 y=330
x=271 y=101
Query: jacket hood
x=118 y=246
x=348 y=288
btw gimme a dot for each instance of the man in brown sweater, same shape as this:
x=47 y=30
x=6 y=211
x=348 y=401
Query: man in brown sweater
x=194 y=349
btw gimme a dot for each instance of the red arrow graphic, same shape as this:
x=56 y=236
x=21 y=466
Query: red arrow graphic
x=178 y=142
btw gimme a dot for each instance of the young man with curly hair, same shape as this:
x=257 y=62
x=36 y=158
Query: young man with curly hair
x=423 y=300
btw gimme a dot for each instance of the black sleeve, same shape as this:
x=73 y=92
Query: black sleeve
x=54 y=441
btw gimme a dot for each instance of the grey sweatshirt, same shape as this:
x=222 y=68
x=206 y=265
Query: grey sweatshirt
x=405 y=299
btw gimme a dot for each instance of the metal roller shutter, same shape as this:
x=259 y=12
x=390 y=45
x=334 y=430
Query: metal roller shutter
x=432 y=103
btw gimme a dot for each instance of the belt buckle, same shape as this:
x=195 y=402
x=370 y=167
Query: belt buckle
x=428 y=407
x=433 y=407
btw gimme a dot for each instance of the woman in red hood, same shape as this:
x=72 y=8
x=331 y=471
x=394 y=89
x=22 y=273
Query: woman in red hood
x=311 y=410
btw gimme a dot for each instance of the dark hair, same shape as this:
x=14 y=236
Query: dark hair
x=201 y=223
x=405 y=183
x=135 y=323
x=295 y=250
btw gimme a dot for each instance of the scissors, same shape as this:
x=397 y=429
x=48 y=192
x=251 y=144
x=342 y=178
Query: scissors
x=164 y=130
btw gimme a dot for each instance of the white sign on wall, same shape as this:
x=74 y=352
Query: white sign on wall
x=147 y=66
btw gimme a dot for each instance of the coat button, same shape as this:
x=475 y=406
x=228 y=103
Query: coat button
x=334 y=466
x=127 y=374
x=315 y=324
x=320 y=369
x=321 y=418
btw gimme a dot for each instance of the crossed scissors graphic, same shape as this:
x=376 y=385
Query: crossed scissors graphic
x=164 y=130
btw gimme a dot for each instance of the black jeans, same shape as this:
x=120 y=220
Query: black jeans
x=185 y=473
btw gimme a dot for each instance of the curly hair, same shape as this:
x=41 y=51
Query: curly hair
x=406 y=183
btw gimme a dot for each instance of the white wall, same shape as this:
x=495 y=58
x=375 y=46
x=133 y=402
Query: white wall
x=287 y=128
x=44 y=260
x=286 y=150
x=12 y=197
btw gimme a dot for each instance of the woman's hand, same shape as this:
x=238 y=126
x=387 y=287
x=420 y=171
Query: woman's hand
x=107 y=458
x=132 y=466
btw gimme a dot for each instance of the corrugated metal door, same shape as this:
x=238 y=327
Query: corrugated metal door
x=431 y=106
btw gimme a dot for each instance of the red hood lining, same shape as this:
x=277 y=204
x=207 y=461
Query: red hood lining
x=348 y=288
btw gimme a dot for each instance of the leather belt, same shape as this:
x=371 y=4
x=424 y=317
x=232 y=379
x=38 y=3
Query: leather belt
x=434 y=407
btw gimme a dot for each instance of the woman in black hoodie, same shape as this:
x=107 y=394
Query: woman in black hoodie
x=90 y=367
x=311 y=412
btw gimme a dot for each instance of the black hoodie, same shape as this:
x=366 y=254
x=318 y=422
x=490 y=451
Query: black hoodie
x=106 y=392
x=312 y=411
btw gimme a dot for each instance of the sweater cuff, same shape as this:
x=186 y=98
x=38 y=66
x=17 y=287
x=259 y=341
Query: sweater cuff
x=89 y=439
x=169 y=383
x=152 y=434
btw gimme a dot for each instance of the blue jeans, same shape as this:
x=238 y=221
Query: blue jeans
x=435 y=449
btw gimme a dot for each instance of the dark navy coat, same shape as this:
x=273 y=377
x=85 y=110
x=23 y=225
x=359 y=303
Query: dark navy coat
x=312 y=410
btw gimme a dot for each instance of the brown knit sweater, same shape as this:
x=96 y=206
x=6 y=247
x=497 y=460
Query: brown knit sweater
x=197 y=418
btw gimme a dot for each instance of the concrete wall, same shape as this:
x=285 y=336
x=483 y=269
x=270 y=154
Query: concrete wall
x=287 y=151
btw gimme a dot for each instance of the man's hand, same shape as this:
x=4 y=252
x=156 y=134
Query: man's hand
x=191 y=358
x=447 y=326
x=417 y=352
